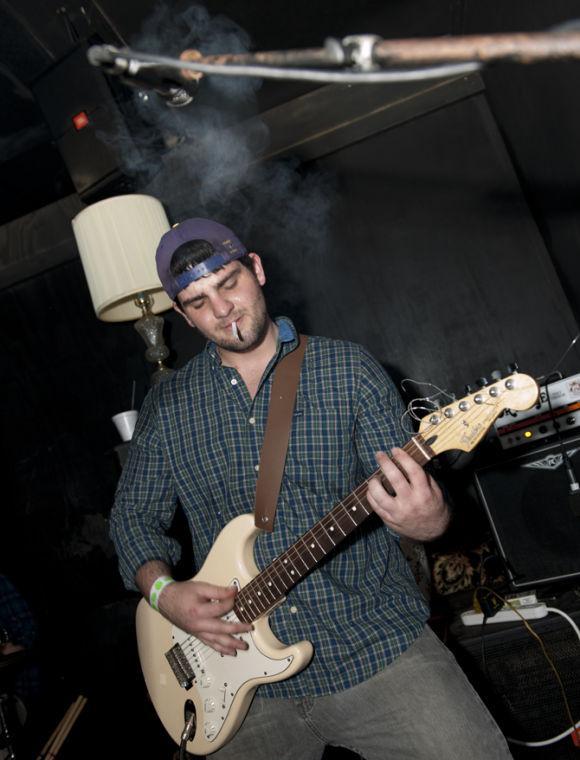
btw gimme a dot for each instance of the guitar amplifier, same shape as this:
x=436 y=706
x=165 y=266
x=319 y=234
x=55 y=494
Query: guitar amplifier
x=557 y=410
x=534 y=513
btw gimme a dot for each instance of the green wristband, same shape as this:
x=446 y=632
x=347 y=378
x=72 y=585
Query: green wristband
x=157 y=588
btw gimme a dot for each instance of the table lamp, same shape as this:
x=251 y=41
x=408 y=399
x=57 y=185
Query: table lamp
x=117 y=239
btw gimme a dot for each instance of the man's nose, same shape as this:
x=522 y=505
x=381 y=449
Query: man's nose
x=221 y=306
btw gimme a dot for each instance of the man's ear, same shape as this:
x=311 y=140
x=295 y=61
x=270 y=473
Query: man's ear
x=258 y=268
x=180 y=311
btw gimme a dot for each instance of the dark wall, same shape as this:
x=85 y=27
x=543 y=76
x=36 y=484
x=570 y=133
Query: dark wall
x=64 y=374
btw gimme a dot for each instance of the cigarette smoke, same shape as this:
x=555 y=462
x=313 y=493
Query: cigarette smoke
x=203 y=160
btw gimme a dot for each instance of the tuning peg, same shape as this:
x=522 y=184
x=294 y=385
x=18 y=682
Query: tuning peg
x=482 y=382
x=496 y=375
x=511 y=368
x=469 y=389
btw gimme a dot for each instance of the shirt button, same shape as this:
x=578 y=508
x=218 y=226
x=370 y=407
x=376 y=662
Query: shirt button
x=256 y=467
x=252 y=420
x=233 y=381
x=293 y=609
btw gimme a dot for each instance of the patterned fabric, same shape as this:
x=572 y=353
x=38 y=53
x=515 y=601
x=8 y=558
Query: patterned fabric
x=198 y=440
x=19 y=623
x=15 y=615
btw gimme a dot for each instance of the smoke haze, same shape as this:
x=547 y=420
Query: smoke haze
x=203 y=159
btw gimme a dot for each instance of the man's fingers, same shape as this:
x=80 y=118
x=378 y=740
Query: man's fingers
x=209 y=591
x=223 y=643
x=397 y=480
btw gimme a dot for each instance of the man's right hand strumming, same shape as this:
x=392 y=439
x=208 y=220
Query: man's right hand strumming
x=198 y=608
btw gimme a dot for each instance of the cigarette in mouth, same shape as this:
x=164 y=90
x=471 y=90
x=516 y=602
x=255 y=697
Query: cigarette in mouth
x=235 y=331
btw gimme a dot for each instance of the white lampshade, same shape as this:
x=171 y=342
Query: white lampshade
x=117 y=239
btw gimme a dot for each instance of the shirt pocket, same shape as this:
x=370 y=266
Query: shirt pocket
x=321 y=459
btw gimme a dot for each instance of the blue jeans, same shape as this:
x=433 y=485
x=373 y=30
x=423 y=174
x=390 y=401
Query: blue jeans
x=421 y=707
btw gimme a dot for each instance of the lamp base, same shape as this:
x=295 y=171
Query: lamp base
x=150 y=328
x=161 y=373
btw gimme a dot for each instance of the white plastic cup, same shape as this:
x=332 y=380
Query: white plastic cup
x=125 y=423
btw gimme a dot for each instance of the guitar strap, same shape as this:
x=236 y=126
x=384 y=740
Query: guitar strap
x=277 y=435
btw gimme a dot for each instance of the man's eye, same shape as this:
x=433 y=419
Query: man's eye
x=231 y=284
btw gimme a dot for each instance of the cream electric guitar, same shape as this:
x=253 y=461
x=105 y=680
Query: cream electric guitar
x=183 y=675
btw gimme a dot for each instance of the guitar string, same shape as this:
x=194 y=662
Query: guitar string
x=294 y=552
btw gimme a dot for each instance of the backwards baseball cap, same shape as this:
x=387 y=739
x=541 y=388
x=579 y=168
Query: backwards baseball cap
x=226 y=245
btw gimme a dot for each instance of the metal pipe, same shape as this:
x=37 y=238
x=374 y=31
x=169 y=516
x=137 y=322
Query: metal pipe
x=485 y=48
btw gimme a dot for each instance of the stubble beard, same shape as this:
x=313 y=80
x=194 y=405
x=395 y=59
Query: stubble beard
x=252 y=331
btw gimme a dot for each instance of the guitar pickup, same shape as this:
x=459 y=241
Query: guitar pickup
x=180 y=666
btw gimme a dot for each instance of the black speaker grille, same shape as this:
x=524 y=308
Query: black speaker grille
x=532 y=513
x=507 y=667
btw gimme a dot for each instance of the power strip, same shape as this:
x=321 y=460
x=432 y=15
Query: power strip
x=528 y=611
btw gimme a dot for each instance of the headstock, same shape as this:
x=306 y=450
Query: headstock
x=463 y=423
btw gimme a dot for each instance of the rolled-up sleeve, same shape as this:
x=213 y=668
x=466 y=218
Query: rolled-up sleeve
x=145 y=500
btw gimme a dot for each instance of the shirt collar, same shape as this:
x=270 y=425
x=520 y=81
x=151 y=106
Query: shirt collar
x=287 y=339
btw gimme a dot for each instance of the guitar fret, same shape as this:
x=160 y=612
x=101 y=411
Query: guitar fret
x=362 y=505
x=305 y=542
x=327 y=533
x=323 y=538
x=292 y=572
x=351 y=517
x=337 y=523
x=271 y=581
x=270 y=588
x=318 y=542
x=252 y=604
x=306 y=565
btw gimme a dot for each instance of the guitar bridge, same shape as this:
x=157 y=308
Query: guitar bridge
x=180 y=666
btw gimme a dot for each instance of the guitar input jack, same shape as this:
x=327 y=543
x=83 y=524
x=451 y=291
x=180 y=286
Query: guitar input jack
x=188 y=729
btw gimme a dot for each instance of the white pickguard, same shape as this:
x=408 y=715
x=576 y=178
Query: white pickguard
x=218 y=678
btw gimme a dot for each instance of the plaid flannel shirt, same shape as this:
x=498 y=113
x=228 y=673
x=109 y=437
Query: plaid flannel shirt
x=198 y=440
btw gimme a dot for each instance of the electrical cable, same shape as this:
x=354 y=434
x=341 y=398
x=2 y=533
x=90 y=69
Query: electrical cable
x=188 y=728
x=572 y=481
x=564 y=355
x=97 y=57
x=574 y=726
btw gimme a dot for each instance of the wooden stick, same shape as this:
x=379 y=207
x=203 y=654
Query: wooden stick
x=56 y=731
x=78 y=707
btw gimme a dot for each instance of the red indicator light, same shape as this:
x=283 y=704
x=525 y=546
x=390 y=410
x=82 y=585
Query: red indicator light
x=80 y=120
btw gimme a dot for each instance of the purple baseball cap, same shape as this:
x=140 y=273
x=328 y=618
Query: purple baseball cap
x=226 y=245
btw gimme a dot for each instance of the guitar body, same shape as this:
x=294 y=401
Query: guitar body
x=220 y=687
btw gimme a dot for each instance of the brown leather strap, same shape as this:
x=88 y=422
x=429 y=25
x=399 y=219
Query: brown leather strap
x=277 y=435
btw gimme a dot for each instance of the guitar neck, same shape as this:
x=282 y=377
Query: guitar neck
x=270 y=586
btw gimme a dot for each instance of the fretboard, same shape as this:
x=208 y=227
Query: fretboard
x=271 y=585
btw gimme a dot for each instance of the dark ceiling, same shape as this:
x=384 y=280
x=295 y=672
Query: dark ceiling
x=36 y=34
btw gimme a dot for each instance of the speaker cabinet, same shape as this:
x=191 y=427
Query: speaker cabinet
x=93 y=154
x=534 y=513
x=507 y=667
